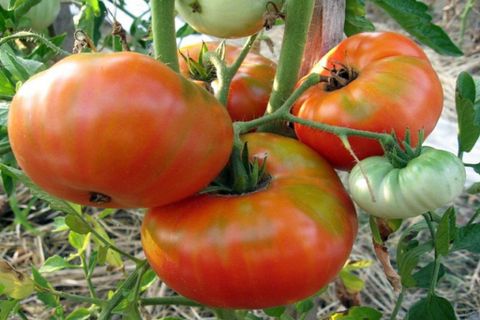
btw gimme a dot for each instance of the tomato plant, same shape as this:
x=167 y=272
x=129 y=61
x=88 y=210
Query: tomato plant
x=378 y=82
x=427 y=182
x=226 y=18
x=250 y=87
x=118 y=130
x=239 y=249
x=41 y=15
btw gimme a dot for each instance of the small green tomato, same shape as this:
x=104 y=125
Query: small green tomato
x=429 y=181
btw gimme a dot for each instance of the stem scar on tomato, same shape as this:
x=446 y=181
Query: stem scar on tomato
x=196 y=7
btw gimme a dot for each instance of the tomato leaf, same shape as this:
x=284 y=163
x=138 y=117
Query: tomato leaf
x=355 y=20
x=469 y=130
x=275 y=311
x=185 y=31
x=79 y=314
x=7 y=89
x=352 y=282
x=47 y=298
x=446 y=232
x=79 y=241
x=414 y=17
x=22 y=6
x=55 y=263
x=21 y=69
x=15 y=284
x=468 y=238
x=304 y=306
x=423 y=277
x=359 y=313
x=6 y=307
x=474 y=188
x=431 y=308
x=76 y=224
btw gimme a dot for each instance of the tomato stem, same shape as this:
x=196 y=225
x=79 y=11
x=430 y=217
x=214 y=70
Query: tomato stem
x=433 y=284
x=163 y=29
x=297 y=23
x=175 y=300
x=42 y=39
x=398 y=304
x=226 y=73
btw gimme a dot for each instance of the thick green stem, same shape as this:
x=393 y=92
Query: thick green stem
x=163 y=29
x=299 y=16
x=431 y=292
x=398 y=304
x=175 y=300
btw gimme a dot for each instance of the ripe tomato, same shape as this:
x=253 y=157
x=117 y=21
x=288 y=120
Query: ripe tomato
x=118 y=130
x=428 y=182
x=271 y=247
x=226 y=18
x=41 y=15
x=394 y=88
x=250 y=87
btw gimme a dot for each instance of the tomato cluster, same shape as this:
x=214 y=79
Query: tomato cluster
x=123 y=130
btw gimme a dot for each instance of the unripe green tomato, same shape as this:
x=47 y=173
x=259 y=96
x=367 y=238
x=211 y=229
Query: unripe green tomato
x=226 y=18
x=429 y=181
x=41 y=15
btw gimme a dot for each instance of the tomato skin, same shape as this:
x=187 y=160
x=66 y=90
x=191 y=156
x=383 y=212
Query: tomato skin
x=250 y=87
x=271 y=247
x=428 y=182
x=121 y=125
x=396 y=89
x=225 y=18
x=41 y=15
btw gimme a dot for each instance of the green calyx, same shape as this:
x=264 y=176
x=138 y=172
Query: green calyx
x=241 y=175
x=202 y=69
x=398 y=155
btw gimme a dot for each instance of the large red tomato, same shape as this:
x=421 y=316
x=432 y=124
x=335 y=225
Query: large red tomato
x=118 y=130
x=250 y=87
x=271 y=247
x=392 y=87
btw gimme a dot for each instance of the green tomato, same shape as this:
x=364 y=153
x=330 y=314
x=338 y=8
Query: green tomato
x=226 y=18
x=41 y=15
x=429 y=181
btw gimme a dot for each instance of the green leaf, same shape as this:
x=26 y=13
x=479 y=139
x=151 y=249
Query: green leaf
x=55 y=203
x=431 y=308
x=304 y=306
x=359 y=313
x=465 y=96
x=6 y=87
x=75 y=223
x=468 y=238
x=446 y=232
x=413 y=16
x=15 y=284
x=79 y=241
x=47 y=298
x=23 y=6
x=474 y=188
x=113 y=258
x=275 y=312
x=357 y=265
x=59 y=224
x=55 y=263
x=185 y=31
x=423 y=277
x=79 y=314
x=6 y=307
x=355 y=20
x=21 y=69
x=352 y=282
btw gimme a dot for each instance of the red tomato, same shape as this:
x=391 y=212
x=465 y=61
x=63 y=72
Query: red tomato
x=271 y=247
x=251 y=86
x=395 y=88
x=118 y=130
